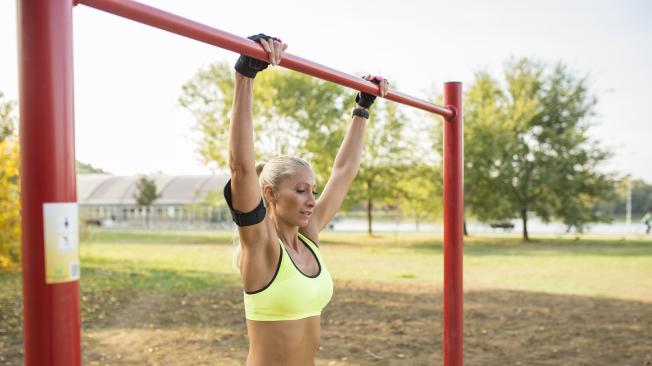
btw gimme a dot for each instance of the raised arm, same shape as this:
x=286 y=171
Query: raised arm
x=243 y=191
x=348 y=158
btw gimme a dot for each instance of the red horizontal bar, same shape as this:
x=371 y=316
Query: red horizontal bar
x=173 y=23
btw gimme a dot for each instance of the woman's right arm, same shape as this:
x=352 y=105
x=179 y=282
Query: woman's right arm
x=244 y=182
x=245 y=189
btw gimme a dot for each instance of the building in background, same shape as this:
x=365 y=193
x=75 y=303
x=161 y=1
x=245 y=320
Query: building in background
x=186 y=201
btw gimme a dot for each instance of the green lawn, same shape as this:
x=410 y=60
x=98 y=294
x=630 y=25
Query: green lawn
x=170 y=261
x=177 y=290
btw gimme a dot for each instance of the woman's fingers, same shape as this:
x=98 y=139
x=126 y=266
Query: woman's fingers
x=268 y=48
x=278 y=51
x=384 y=87
x=274 y=50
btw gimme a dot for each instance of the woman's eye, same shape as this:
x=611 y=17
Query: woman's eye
x=303 y=191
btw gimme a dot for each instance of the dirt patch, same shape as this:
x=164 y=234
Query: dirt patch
x=365 y=324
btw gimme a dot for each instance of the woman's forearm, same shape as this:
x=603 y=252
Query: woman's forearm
x=349 y=155
x=241 y=135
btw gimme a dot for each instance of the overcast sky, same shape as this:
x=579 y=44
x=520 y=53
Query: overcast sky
x=128 y=76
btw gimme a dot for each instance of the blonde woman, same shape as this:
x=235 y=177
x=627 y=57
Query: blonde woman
x=286 y=283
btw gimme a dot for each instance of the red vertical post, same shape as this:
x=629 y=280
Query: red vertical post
x=453 y=348
x=51 y=322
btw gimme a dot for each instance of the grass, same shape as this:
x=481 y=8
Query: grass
x=182 y=261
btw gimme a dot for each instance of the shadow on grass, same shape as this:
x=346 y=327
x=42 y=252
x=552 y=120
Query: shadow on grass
x=365 y=324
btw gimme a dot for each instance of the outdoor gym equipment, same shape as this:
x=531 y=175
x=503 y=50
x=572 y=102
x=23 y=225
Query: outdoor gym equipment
x=48 y=182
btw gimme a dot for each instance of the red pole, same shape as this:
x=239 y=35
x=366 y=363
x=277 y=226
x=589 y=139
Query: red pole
x=453 y=227
x=51 y=322
x=188 y=28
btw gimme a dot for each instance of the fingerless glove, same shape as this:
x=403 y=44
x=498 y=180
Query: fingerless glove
x=249 y=66
x=365 y=100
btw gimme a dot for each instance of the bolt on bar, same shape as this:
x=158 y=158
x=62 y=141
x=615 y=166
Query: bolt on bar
x=173 y=23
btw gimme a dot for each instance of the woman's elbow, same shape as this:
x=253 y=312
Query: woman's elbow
x=239 y=167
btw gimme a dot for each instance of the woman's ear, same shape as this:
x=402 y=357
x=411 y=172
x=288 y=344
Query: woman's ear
x=270 y=195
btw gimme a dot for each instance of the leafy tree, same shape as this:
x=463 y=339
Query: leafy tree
x=386 y=157
x=146 y=194
x=527 y=146
x=294 y=114
x=299 y=115
x=420 y=191
x=9 y=187
x=7 y=118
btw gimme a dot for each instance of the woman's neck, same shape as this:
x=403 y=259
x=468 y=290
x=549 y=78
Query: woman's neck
x=287 y=233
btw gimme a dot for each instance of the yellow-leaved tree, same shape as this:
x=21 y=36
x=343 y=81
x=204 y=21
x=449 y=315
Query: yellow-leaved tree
x=9 y=187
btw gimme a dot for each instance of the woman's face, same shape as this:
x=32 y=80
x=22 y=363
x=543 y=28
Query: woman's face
x=295 y=199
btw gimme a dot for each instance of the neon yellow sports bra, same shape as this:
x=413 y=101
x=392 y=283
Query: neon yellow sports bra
x=291 y=295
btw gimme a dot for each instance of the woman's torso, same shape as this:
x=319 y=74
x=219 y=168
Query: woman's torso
x=283 y=290
x=286 y=342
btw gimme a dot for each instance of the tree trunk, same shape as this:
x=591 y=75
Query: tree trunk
x=370 y=205
x=417 y=222
x=526 y=237
x=466 y=232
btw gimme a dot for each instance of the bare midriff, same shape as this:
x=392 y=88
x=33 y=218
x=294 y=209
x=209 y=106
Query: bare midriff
x=283 y=342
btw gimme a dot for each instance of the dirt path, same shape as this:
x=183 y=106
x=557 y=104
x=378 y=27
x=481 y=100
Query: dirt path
x=365 y=324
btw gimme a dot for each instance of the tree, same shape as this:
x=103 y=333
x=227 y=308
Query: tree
x=7 y=118
x=421 y=192
x=386 y=157
x=294 y=114
x=146 y=195
x=9 y=187
x=527 y=146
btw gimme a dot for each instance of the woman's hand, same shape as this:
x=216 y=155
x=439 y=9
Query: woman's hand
x=249 y=66
x=274 y=48
x=365 y=100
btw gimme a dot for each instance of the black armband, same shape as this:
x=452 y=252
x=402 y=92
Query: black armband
x=244 y=218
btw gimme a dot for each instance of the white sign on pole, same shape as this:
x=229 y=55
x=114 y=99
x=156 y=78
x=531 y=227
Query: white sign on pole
x=61 y=237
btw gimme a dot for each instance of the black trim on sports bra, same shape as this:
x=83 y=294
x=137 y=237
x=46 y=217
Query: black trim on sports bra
x=313 y=254
x=278 y=266
x=312 y=241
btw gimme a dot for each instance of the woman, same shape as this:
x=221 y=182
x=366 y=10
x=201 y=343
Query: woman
x=286 y=283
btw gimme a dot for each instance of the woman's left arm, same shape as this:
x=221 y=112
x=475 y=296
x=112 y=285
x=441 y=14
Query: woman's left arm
x=348 y=158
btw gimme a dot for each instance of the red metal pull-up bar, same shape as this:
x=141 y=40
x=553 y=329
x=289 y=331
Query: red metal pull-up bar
x=188 y=28
x=51 y=325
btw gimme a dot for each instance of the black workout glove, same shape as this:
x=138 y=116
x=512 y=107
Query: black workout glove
x=365 y=100
x=249 y=66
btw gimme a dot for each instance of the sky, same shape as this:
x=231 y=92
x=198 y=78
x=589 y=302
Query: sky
x=128 y=76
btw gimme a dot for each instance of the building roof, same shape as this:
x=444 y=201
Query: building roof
x=104 y=189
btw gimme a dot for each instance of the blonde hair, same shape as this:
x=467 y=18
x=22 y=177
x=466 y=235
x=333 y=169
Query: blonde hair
x=272 y=174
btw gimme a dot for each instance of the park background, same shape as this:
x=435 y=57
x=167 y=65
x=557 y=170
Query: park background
x=141 y=113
